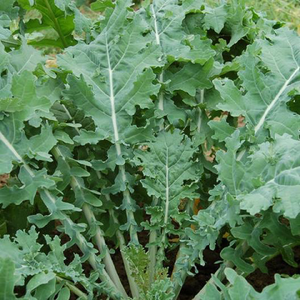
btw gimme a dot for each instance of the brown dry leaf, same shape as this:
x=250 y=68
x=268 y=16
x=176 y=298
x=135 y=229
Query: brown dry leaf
x=174 y=240
x=241 y=122
x=144 y=147
x=51 y=63
x=3 y=180
x=209 y=154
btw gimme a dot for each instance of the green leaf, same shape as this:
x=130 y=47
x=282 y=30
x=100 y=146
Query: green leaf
x=269 y=179
x=138 y=263
x=238 y=15
x=277 y=166
x=233 y=100
x=5 y=58
x=222 y=129
x=165 y=19
x=284 y=288
x=38 y=268
x=39 y=280
x=7 y=280
x=126 y=123
x=25 y=100
x=62 y=4
x=262 y=106
x=54 y=16
x=109 y=87
x=191 y=77
x=167 y=166
x=161 y=289
x=64 y=294
x=63 y=137
x=215 y=18
x=228 y=162
x=41 y=144
x=16 y=195
x=5 y=33
x=211 y=292
x=235 y=256
x=139 y=267
x=101 y=5
x=8 y=8
x=25 y=58
x=240 y=288
x=71 y=175
x=253 y=236
x=11 y=138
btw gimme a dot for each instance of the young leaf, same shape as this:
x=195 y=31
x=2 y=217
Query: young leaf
x=167 y=167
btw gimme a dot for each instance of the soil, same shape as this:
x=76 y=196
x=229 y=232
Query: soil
x=192 y=285
x=277 y=265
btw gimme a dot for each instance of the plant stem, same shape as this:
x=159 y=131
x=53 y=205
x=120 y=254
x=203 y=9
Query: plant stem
x=161 y=95
x=183 y=272
x=152 y=250
x=100 y=241
x=133 y=286
x=84 y=248
x=219 y=274
x=72 y=288
x=181 y=255
x=200 y=101
x=121 y=239
x=66 y=221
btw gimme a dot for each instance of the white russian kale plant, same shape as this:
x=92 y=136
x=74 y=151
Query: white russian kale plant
x=139 y=112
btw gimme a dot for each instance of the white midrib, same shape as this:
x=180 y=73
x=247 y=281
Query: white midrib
x=26 y=63
x=167 y=189
x=166 y=218
x=112 y=102
x=113 y=111
x=155 y=26
x=16 y=154
x=161 y=76
x=161 y=95
x=116 y=135
x=270 y=106
x=266 y=256
x=274 y=101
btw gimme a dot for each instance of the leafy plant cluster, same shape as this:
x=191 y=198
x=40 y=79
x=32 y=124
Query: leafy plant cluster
x=281 y=10
x=174 y=120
